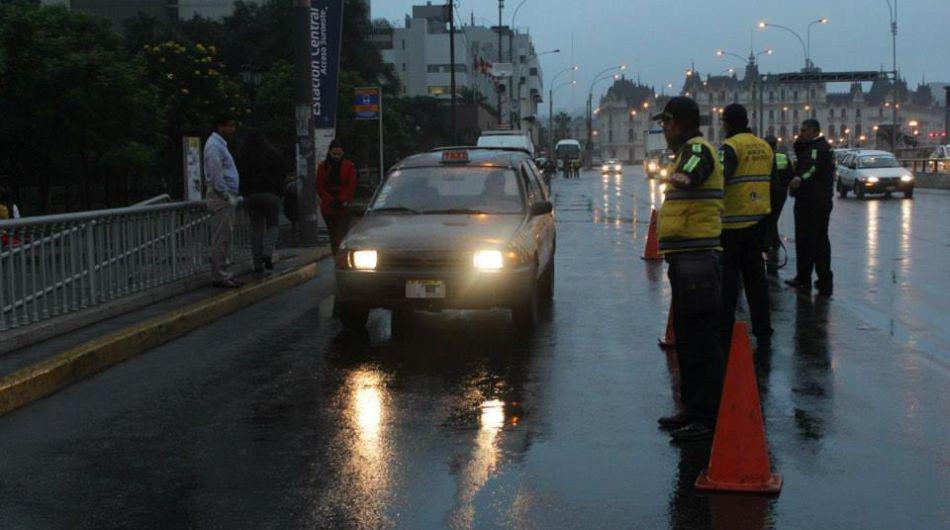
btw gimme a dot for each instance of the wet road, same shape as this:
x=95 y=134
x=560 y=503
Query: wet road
x=272 y=418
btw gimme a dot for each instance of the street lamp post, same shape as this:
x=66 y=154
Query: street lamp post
x=763 y=25
x=511 y=59
x=590 y=97
x=572 y=68
x=757 y=98
x=822 y=20
x=892 y=10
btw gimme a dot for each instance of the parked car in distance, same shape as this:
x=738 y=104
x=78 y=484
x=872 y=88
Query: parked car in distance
x=868 y=171
x=611 y=166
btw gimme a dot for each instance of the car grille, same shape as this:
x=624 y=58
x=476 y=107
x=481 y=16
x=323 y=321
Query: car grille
x=423 y=260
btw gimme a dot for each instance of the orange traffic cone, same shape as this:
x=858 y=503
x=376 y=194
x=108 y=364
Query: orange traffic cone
x=669 y=340
x=739 y=461
x=652 y=250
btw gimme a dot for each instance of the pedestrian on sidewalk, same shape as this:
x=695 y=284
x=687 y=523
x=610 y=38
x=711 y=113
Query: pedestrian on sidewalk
x=689 y=226
x=813 y=189
x=8 y=208
x=781 y=176
x=747 y=172
x=222 y=183
x=262 y=183
x=336 y=184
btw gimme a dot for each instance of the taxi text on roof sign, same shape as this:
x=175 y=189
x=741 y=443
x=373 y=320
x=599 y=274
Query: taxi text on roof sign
x=454 y=157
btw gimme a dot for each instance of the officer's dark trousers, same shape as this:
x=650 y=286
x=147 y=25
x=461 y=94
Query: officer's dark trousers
x=695 y=280
x=772 y=239
x=742 y=257
x=812 y=247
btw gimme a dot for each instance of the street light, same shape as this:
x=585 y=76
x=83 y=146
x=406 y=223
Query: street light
x=511 y=59
x=764 y=24
x=572 y=68
x=757 y=84
x=590 y=98
x=912 y=124
x=822 y=20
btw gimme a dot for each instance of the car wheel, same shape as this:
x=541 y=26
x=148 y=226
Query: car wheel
x=352 y=316
x=525 y=314
x=858 y=190
x=400 y=323
x=909 y=194
x=842 y=191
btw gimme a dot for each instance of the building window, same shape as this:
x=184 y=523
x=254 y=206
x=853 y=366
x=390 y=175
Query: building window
x=813 y=93
x=438 y=90
x=404 y=44
x=771 y=130
x=782 y=95
x=857 y=130
x=844 y=113
x=814 y=113
x=795 y=114
x=533 y=71
x=403 y=67
x=783 y=132
x=771 y=115
x=771 y=96
x=610 y=137
x=857 y=113
x=880 y=112
x=629 y=135
x=794 y=95
x=831 y=113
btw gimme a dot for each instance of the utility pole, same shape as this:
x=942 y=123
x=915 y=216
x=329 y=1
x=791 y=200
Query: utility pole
x=946 y=116
x=501 y=7
x=307 y=224
x=894 y=103
x=451 y=11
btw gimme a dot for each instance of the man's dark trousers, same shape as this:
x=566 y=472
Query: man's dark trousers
x=812 y=247
x=695 y=279
x=742 y=256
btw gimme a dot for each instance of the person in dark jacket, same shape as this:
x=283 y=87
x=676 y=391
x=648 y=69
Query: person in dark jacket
x=336 y=184
x=812 y=187
x=262 y=183
x=782 y=173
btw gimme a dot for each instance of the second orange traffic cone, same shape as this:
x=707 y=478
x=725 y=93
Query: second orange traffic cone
x=668 y=342
x=739 y=461
x=652 y=251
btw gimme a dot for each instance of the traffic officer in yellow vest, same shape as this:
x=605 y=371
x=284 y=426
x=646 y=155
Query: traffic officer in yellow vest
x=688 y=231
x=747 y=170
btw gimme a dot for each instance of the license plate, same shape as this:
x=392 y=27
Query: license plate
x=891 y=188
x=425 y=289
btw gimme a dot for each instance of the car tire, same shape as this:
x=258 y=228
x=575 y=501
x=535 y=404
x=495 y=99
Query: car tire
x=909 y=194
x=352 y=316
x=858 y=190
x=400 y=323
x=547 y=282
x=842 y=191
x=525 y=314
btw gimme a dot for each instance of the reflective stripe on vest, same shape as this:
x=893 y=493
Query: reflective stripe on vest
x=691 y=218
x=748 y=192
x=678 y=195
x=781 y=161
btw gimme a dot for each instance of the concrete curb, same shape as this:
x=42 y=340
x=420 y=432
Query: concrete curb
x=75 y=364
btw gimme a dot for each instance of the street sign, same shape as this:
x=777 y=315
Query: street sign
x=191 y=158
x=366 y=103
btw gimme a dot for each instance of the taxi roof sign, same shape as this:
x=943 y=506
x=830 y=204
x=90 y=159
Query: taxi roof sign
x=455 y=157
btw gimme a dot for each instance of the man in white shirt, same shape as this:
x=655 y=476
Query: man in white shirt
x=222 y=184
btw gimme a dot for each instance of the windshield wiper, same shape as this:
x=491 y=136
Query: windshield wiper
x=395 y=209
x=464 y=211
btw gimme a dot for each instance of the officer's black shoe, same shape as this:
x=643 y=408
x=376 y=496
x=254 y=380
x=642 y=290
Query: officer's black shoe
x=694 y=432
x=824 y=288
x=675 y=421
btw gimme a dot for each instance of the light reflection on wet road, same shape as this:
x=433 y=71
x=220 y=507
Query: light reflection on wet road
x=273 y=418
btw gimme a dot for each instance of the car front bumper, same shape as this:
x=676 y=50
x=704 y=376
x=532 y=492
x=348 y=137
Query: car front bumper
x=463 y=289
x=885 y=186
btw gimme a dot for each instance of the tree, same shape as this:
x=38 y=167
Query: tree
x=70 y=97
x=562 y=126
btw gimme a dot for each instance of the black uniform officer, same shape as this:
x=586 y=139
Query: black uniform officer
x=812 y=188
x=781 y=175
x=747 y=172
x=688 y=230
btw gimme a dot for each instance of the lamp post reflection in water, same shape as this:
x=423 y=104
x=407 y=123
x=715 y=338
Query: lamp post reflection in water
x=873 y=250
x=481 y=464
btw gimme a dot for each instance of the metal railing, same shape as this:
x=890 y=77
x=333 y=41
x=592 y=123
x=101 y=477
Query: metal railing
x=57 y=264
x=927 y=165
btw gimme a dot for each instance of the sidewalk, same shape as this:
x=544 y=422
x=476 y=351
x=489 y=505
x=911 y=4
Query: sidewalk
x=38 y=370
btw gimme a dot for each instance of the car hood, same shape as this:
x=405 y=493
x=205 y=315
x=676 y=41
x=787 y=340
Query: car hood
x=432 y=232
x=884 y=172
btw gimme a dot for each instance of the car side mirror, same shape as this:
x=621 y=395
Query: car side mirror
x=542 y=208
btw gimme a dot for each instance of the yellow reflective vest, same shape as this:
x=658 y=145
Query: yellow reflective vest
x=747 y=197
x=690 y=217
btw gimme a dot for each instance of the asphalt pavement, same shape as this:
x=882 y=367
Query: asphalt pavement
x=273 y=417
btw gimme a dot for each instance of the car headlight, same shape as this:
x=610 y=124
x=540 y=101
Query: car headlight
x=872 y=180
x=618 y=167
x=489 y=260
x=364 y=259
x=604 y=167
x=907 y=178
x=664 y=172
x=652 y=166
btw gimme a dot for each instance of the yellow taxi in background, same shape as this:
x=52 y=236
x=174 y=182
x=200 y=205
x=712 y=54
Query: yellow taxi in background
x=460 y=228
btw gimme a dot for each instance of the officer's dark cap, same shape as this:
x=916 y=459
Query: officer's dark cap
x=735 y=115
x=679 y=109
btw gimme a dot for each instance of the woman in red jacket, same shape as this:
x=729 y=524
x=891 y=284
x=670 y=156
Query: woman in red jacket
x=336 y=183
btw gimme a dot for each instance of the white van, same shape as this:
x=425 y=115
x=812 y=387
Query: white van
x=508 y=140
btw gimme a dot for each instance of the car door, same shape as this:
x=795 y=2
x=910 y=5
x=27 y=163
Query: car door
x=548 y=234
x=846 y=174
x=535 y=226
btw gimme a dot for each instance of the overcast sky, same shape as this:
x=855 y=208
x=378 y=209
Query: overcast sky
x=659 y=39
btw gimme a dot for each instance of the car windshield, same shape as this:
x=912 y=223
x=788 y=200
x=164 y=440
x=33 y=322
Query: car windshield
x=451 y=190
x=877 y=162
x=568 y=151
